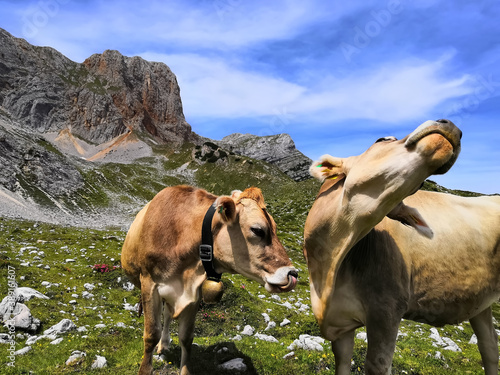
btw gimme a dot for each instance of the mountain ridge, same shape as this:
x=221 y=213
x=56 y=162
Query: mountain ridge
x=62 y=121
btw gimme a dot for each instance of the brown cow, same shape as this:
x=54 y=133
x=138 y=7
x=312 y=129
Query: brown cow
x=359 y=192
x=161 y=257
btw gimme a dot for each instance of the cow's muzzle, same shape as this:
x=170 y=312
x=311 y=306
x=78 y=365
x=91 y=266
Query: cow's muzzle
x=283 y=280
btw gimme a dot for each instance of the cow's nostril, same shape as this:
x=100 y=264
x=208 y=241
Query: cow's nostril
x=443 y=121
x=293 y=273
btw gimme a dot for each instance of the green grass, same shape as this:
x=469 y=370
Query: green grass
x=243 y=302
x=216 y=324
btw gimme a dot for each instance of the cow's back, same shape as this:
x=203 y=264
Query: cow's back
x=131 y=246
x=455 y=273
x=166 y=233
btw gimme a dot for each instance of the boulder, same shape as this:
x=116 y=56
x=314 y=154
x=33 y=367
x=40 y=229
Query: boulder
x=63 y=326
x=99 y=362
x=28 y=293
x=307 y=342
x=75 y=358
x=234 y=365
x=20 y=317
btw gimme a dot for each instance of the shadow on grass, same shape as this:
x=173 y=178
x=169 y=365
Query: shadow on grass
x=207 y=360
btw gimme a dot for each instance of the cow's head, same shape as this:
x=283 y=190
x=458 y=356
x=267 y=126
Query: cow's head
x=376 y=181
x=245 y=242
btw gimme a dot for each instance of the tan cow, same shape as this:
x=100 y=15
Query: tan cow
x=161 y=257
x=358 y=193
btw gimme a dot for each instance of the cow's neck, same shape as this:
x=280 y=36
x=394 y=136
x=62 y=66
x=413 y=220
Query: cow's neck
x=335 y=230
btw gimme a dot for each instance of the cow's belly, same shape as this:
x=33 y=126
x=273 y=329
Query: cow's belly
x=441 y=311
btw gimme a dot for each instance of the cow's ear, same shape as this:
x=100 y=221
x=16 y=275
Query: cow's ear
x=226 y=209
x=235 y=194
x=411 y=217
x=327 y=167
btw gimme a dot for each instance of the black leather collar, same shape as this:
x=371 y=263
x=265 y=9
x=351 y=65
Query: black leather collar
x=207 y=245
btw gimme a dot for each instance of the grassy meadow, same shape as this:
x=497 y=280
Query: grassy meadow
x=120 y=341
x=59 y=261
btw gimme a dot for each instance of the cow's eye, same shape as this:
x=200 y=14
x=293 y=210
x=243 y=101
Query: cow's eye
x=259 y=232
x=386 y=139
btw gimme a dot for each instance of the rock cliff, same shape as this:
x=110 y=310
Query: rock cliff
x=275 y=149
x=104 y=97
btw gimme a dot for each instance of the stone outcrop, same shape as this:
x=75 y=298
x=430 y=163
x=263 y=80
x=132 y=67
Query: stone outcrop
x=105 y=96
x=275 y=149
x=27 y=163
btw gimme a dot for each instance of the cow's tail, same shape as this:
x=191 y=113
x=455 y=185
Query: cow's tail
x=139 y=310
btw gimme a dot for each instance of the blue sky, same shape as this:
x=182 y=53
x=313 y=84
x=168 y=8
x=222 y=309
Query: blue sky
x=334 y=75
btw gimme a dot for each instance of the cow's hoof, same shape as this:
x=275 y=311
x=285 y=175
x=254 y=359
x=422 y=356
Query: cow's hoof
x=212 y=291
x=146 y=370
x=161 y=350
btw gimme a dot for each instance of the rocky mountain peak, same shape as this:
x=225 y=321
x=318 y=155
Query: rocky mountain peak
x=104 y=97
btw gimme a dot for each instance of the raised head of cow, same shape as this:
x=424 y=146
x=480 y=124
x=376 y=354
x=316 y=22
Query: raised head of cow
x=359 y=191
x=246 y=242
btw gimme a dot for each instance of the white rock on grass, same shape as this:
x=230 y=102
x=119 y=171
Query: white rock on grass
x=22 y=318
x=267 y=338
x=270 y=325
x=87 y=295
x=307 y=342
x=128 y=286
x=289 y=355
x=23 y=351
x=99 y=362
x=88 y=286
x=57 y=341
x=445 y=342
x=74 y=357
x=100 y=325
x=33 y=339
x=234 y=365
x=362 y=336
x=248 y=330
x=28 y=293
x=63 y=326
x=284 y=322
x=127 y=306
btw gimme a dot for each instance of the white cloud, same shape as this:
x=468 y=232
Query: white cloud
x=402 y=91
x=406 y=90
x=210 y=87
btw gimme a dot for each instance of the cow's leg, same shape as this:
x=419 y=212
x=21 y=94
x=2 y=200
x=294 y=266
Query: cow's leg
x=382 y=332
x=186 y=335
x=151 y=303
x=165 y=335
x=342 y=350
x=487 y=340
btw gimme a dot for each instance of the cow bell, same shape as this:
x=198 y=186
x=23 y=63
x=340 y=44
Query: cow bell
x=212 y=291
